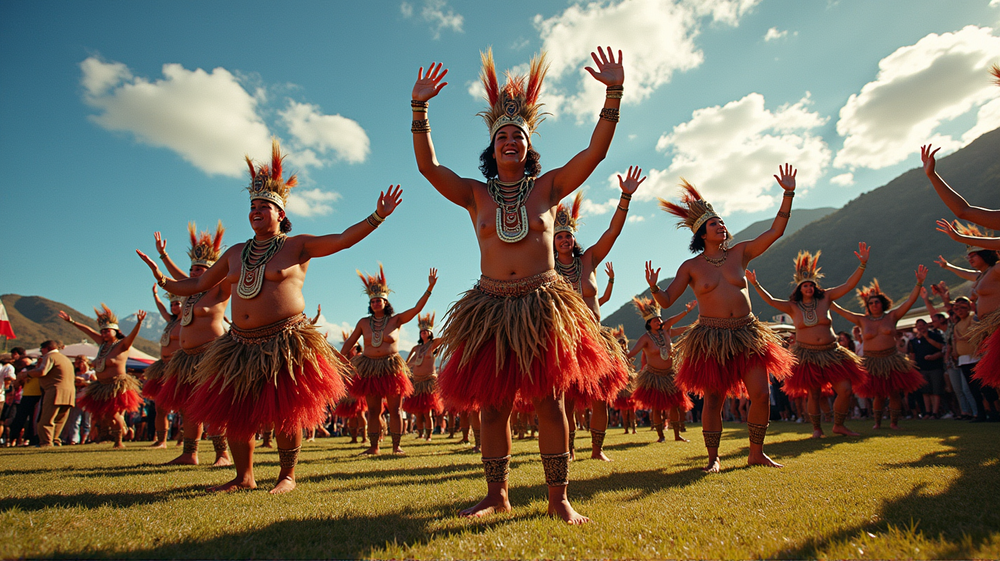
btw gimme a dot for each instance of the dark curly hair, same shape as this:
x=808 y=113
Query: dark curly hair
x=488 y=163
x=286 y=225
x=387 y=310
x=886 y=303
x=988 y=255
x=698 y=240
x=818 y=293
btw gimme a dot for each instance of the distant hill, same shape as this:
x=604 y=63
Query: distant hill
x=897 y=220
x=36 y=319
x=795 y=223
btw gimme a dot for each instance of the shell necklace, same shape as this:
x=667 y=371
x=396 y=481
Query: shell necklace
x=254 y=260
x=102 y=353
x=512 y=218
x=187 y=310
x=165 y=338
x=809 y=315
x=377 y=326
x=572 y=273
x=661 y=342
x=418 y=354
x=719 y=260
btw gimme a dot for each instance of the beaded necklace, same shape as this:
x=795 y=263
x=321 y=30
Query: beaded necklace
x=418 y=354
x=512 y=218
x=809 y=315
x=254 y=260
x=719 y=260
x=165 y=338
x=102 y=353
x=187 y=310
x=377 y=326
x=572 y=273
x=660 y=340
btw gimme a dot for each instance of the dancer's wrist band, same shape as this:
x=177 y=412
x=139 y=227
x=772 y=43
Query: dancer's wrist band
x=163 y=255
x=654 y=289
x=615 y=92
x=783 y=214
x=610 y=114
x=863 y=265
x=418 y=106
x=627 y=196
x=374 y=220
x=420 y=125
x=788 y=194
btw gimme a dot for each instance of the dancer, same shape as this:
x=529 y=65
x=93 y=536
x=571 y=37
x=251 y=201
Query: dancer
x=522 y=331
x=655 y=386
x=821 y=364
x=349 y=407
x=170 y=341
x=273 y=366
x=202 y=322
x=891 y=374
x=579 y=268
x=381 y=372
x=425 y=399
x=624 y=402
x=727 y=351
x=115 y=392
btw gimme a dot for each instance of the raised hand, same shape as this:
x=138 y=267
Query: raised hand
x=942 y=262
x=862 y=252
x=610 y=270
x=429 y=84
x=927 y=153
x=923 y=292
x=152 y=264
x=632 y=181
x=787 y=177
x=139 y=316
x=64 y=316
x=948 y=228
x=751 y=276
x=610 y=72
x=389 y=200
x=921 y=273
x=432 y=278
x=161 y=244
x=691 y=305
x=651 y=274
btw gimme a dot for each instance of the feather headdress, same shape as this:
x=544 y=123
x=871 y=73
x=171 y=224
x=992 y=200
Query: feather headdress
x=646 y=307
x=619 y=334
x=973 y=231
x=873 y=289
x=517 y=102
x=995 y=71
x=205 y=249
x=696 y=210
x=426 y=322
x=106 y=319
x=266 y=183
x=806 y=269
x=567 y=219
x=375 y=286
x=175 y=297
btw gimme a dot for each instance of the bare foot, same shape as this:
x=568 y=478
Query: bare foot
x=761 y=459
x=184 y=460
x=398 y=451
x=894 y=426
x=492 y=504
x=119 y=445
x=713 y=466
x=661 y=439
x=223 y=460
x=844 y=431
x=372 y=451
x=817 y=434
x=284 y=485
x=572 y=454
x=564 y=510
x=234 y=485
x=679 y=438
x=353 y=441
x=158 y=445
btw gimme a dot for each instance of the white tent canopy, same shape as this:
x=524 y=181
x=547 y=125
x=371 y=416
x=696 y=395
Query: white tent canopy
x=137 y=358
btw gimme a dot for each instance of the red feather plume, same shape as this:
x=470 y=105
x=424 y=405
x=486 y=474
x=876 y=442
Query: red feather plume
x=488 y=75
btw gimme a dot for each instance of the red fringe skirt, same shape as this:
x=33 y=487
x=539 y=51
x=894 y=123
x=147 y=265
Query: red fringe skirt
x=889 y=373
x=383 y=376
x=610 y=382
x=821 y=366
x=987 y=370
x=424 y=398
x=655 y=389
x=349 y=407
x=106 y=399
x=179 y=378
x=715 y=354
x=154 y=379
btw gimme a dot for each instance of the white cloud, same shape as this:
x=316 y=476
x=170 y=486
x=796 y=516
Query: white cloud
x=206 y=118
x=730 y=153
x=656 y=35
x=311 y=202
x=406 y=9
x=636 y=218
x=438 y=14
x=918 y=88
x=773 y=34
x=590 y=208
x=844 y=179
x=332 y=331
x=324 y=133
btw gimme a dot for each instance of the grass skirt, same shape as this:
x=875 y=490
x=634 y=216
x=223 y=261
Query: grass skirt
x=715 y=353
x=624 y=400
x=529 y=338
x=655 y=389
x=821 y=366
x=154 y=379
x=178 y=380
x=611 y=382
x=889 y=372
x=105 y=399
x=349 y=407
x=284 y=374
x=383 y=376
x=424 y=398
x=986 y=336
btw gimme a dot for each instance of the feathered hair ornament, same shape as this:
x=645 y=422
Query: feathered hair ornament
x=806 y=269
x=175 y=297
x=517 y=102
x=205 y=249
x=995 y=71
x=619 y=334
x=345 y=335
x=426 y=322
x=696 y=210
x=973 y=231
x=106 y=319
x=873 y=289
x=646 y=307
x=266 y=183
x=375 y=286
x=567 y=219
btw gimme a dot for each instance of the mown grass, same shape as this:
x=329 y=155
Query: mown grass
x=928 y=492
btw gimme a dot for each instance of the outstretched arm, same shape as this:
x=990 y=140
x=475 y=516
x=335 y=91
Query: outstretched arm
x=637 y=348
x=955 y=202
x=670 y=321
x=404 y=317
x=319 y=311
x=967 y=274
x=159 y=306
x=979 y=241
x=321 y=246
x=610 y=73
x=611 y=284
x=353 y=339
x=928 y=305
x=759 y=245
x=161 y=248
x=780 y=305
x=193 y=285
x=130 y=338
x=603 y=246
x=847 y=314
x=674 y=291
x=901 y=310
x=86 y=330
x=839 y=291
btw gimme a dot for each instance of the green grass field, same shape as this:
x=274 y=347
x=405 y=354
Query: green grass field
x=929 y=492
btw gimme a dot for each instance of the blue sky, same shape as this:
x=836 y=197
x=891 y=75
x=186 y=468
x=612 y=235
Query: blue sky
x=118 y=119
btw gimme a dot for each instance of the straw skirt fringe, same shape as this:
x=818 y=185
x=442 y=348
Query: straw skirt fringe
x=821 y=368
x=889 y=373
x=382 y=376
x=105 y=399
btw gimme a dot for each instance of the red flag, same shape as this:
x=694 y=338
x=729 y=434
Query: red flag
x=5 y=328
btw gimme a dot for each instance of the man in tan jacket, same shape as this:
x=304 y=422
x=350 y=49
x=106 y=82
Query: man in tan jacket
x=55 y=373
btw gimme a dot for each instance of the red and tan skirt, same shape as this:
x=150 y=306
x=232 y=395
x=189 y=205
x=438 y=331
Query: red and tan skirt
x=715 y=353
x=610 y=382
x=105 y=399
x=656 y=389
x=528 y=338
x=154 y=379
x=424 y=398
x=889 y=372
x=349 y=406
x=382 y=376
x=625 y=401
x=822 y=366
x=284 y=374
x=986 y=336
x=178 y=380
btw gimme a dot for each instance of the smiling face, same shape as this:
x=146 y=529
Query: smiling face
x=265 y=217
x=510 y=145
x=875 y=307
x=175 y=307
x=655 y=324
x=108 y=335
x=377 y=305
x=564 y=242
x=715 y=232
x=424 y=335
x=808 y=290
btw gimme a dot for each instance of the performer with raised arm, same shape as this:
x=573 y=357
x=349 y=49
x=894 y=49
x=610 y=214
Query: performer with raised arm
x=349 y=407
x=203 y=317
x=891 y=374
x=170 y=342
x=522 y=331
x=115 y=392
x=727 y=351
x=425 y=400
x=655 y=387
x=381 y=372
x=273 y=366
x=820 y=362
x=624 y=402
x=579 y=268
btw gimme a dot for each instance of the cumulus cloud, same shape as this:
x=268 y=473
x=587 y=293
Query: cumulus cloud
x=332 y=331
x=326 y=133
x=844 y=179
x=206 y=118
x=311 y=202
x=590 y=208
x=730 y=153
x=657 y=35
x=438 y=14
x=636 y=218
x=918 y=88
x=773 y=34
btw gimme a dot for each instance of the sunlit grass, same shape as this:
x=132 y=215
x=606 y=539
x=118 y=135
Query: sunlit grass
x=928 y=492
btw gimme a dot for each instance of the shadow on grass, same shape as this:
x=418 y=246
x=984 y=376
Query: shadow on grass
x=403 y=476
x=96 y=500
